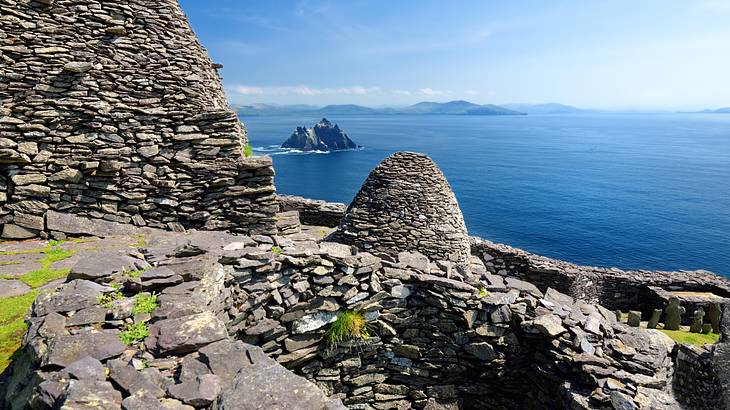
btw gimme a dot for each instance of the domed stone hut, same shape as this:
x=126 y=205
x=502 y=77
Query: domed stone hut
x=406 y=204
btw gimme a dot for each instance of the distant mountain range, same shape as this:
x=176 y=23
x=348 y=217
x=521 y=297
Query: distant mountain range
x=459 y=107
x=725 y=110
x=548 y=108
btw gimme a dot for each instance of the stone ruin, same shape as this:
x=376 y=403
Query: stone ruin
x=112 y=111
x=113 y=118
x=407 y=204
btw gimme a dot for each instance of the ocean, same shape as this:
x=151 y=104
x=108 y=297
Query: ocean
x=634 y=191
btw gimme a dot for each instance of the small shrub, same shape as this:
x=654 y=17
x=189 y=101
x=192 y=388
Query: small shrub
x=247 y=151
x=134 y=333
x=107 y=299
x=350 y=325
x=144 y=303
x=277 y=250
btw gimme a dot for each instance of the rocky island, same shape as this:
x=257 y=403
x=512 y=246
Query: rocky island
x=324 y=136
x=195 y=286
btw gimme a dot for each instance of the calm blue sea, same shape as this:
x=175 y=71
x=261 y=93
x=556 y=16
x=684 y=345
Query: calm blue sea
x=649 y=191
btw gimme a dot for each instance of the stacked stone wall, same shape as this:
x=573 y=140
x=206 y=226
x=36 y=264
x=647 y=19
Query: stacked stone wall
x=113 y=110
x=695 y=382
x=613 y=288
x=313 y=211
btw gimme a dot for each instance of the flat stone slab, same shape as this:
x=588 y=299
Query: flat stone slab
x=185 y=334
x=12 y=287
x=74 y=224
x=65 y=350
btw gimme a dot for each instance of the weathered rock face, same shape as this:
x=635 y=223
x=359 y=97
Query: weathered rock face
x=113 y=110
x=322 y=137
x=73 y=356
x=406 y=204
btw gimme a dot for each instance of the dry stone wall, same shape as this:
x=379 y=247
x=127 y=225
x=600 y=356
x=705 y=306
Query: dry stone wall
x=611 y=287
x=113 y=110
x=406 y=204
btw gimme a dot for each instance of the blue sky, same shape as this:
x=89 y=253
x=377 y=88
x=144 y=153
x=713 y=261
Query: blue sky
x=600 y=54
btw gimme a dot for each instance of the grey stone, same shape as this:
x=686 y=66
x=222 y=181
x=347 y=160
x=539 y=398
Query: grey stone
x=86 y=368
x=549 y=325
x=64 y=350
x=185 y=334
x=87 y=316
x=200 y=392
x=654 y=320
x=634 y=319
x=697 y=320
x=714 y=314
x=132 y=381
x=75 y=225
x=673 y=314
x=88 y=394
x=482 y=350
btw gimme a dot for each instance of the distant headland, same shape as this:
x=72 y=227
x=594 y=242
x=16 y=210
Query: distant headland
x=459 y=107
x=324 y=136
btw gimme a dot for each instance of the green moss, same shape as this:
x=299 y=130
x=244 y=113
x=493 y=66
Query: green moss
x=349 y=325
x=145 y=303
x=53 y=242
x=55 y=255
x=107 y=299
x=688 y=338
x=136 y=273
x=141 y=241
x=40 y=277
x=483 y=293
x=277 y=250
x=247 y=151
x=12 y=325
x=134 y=333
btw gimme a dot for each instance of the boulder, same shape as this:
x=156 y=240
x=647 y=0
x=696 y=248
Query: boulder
x=65 y=350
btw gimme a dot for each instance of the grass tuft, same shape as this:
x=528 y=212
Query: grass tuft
x=40 y=277
x=247 y=151
x=350 y=325
x=136 y=273
x=277 y=250
x=107 y=299
x=12 y=325
x=483 y=293
x=134 y=333
x=688 y=338
x=144 y=303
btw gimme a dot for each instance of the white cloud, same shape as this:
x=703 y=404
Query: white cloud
x=430 y=91
x=246 y=90
x=303 y=90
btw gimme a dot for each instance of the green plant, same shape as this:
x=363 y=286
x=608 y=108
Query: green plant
x=53 y=242
x=144 y=303
x=247 y=151
x=134 y=333
x=137 y=272
x=40 y=277
x=322 y=234
x=55 y=255
x=141 y=241
x=349 y=325
x=697 y=339
x=277 y=250
x=483 y=292
x=107 y=299
x=12 y=325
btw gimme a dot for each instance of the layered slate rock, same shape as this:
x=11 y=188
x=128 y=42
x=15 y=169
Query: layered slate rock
x=126 y=122
x=73 y=355
x=406 y=204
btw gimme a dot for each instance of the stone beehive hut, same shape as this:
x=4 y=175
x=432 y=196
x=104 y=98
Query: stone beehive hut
x=406 y=204
x=112 y=110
